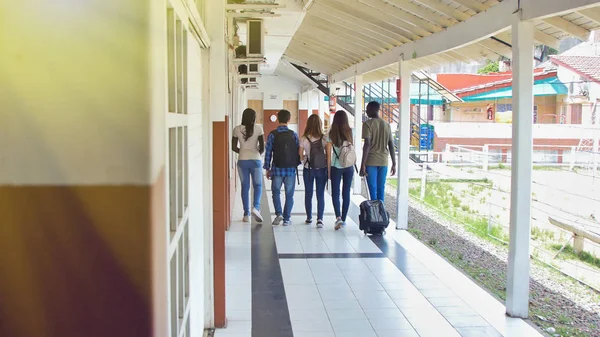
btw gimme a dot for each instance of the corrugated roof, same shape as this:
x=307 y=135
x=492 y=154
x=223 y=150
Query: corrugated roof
x=337 y=34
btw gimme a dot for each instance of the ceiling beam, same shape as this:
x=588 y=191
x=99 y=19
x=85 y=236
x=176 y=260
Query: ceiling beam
x=252 y=6
x=366 y=25
x=360 y=38
x=473 y=5
x=402 y=27
x=556 y=21
x=308 y=54
x=333 y=55
x=334 y=40
x=424 y=13
x=357 y=28
x=568 y=27
x=445 y=9
x=592 y=14
x=423 y=26
x=354 y=14
x=497 y=47
x=538 y=9
x=311 y=62
x=326 y=47
x=480 y=26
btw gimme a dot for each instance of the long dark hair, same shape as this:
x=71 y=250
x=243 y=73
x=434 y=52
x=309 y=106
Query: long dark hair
x=248 y=119
x=340 y=129
x=313 y=127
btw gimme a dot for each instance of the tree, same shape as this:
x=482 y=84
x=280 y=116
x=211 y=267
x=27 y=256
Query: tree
x=490 y=67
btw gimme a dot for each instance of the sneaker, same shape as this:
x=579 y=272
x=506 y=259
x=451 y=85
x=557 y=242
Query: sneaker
x=338 y=224
x=319 y=223
x=246 y=218
x=278 y=220
x=308 y=221
x=287 y=223
x=256 y=215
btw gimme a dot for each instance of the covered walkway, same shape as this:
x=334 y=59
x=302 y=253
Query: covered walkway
x=117 y=179
x=306 y=282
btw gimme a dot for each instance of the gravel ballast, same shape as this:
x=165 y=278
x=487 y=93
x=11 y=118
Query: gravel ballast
x=558 y=304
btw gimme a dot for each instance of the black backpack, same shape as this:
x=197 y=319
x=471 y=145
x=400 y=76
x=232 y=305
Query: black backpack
x=317 y=159
x=285 y=149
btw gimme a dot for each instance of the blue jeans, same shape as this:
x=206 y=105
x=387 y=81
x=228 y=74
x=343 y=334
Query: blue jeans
x=290 y=186
x=339 y=176
x=250 y=169
x=376 y=177
x=310 y=176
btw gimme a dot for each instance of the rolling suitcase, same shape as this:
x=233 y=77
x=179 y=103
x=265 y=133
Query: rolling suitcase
x=373 y=218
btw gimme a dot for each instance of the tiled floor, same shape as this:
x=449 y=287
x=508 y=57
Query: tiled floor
x=344 y=284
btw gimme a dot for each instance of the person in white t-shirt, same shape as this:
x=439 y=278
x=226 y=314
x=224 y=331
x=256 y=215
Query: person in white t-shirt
x=314 y=159
x=251 y=146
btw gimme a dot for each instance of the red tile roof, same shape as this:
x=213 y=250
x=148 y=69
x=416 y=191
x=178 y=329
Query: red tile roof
x=586 y=66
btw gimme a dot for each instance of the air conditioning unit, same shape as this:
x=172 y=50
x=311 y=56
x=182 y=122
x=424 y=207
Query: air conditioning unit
x=255 y=38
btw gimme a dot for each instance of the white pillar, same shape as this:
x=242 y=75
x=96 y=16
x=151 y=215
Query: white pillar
x=309 y=102
x=358 y=113
x=517 y=288
x=403 y=146
x=596 y=139
x=218 y=103
x=322 y=105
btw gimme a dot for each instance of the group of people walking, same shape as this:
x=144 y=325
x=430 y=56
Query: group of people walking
x=325 y=158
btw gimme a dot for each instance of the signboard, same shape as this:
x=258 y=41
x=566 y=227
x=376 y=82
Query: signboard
x=332 y=104
x=326 y=98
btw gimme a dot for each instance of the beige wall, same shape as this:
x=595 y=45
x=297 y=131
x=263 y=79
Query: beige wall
x=476 y=112
x=83 y=180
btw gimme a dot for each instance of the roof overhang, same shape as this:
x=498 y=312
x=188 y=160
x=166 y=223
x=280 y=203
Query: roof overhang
x=344 y=38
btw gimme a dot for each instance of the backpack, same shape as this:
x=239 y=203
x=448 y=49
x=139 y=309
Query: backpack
x=317 y=157
x=347 y=155
x=373 y=217
x=285 y=149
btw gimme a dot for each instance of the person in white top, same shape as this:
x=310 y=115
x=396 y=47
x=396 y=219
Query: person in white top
x=251 y=146
x=312 y=155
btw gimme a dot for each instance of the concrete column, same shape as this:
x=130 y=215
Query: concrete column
x=322 y=105
x=578 y=243
x=404 y=132
x=219 y=102
x=309 y=102
x=596 y=140
x=517 y=289
x=358 y=113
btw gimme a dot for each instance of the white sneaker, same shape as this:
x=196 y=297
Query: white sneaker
x=277 y=221
x=246 y=218
x=319 y=224
x=256 y=215
x=338 y=224
x=287 y=223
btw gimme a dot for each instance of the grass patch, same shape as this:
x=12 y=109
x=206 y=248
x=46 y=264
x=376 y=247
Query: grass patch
x=540 y=234
x=547 y=168
x=416 y=232
x=438 y=196
x=569 y=253
x=500 y=166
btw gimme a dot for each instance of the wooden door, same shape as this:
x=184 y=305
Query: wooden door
x=576 y=114
x=292 y=107
x=257 y=105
